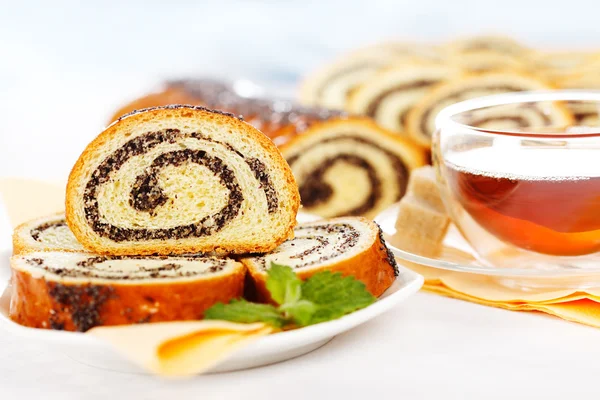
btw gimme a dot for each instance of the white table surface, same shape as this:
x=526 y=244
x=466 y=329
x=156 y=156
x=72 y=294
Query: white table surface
x=63 y=70
x=428 y=348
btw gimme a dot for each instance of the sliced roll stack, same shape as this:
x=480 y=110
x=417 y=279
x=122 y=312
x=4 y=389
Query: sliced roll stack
x=350 y=167
x=351 y=246
x=155 y=183
x=78 y=291
x=158 y=205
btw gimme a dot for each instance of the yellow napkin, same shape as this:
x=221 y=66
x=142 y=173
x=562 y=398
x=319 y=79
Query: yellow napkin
x=26 y=199
x=582 y=306
x=169 y=349
x=179 y=349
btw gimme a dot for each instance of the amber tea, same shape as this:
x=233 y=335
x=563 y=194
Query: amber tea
x=535 y=204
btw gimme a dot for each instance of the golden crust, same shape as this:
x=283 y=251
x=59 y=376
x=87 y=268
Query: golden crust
x=19 y=247
x=162 y=98
x=373 y=267
x=178 y=111
x=38 y=303
x=256 y=112
x=18 y=239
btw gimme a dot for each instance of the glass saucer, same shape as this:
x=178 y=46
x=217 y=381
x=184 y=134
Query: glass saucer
x=455 y=254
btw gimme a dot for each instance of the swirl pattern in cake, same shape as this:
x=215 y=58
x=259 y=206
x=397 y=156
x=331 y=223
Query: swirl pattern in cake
x=77 y=291
x=350 y=167
x=350 y=245
x=181 y=179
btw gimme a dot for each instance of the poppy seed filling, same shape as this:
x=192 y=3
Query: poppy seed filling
x=91 y=267
x=314 y=190
x=373 y=106
x=333 y=240
x=146 y=195
x=82 y=302
x=37 y=231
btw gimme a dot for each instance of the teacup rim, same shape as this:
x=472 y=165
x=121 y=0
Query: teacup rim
x=444 y=118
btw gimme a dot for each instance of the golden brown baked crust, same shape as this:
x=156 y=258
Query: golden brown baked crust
x=280 y=120
x=40 y=303
x=18 y=246
x=170 y=95
x=76 y=221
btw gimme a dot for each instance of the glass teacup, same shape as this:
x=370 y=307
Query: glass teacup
x=520 y=176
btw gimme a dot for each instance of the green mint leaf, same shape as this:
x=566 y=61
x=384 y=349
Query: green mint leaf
x=301 y=311
x=323 y=297
x=334 y=295
x=246 y=312
x=283 y=284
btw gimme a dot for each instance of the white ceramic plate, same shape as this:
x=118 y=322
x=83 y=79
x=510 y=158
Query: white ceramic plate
x=267 y=350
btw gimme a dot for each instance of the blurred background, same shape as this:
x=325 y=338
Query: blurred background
x=66 y=66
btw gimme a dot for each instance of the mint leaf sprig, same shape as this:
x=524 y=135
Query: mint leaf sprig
x=245 y=312
x=322 y=297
